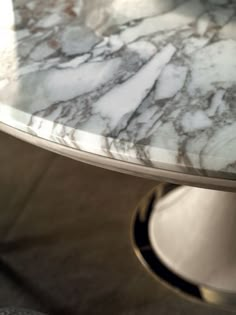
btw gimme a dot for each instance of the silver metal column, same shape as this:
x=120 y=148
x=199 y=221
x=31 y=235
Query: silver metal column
x=192 y=232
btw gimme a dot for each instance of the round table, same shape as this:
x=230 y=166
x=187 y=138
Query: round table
x=146 y=88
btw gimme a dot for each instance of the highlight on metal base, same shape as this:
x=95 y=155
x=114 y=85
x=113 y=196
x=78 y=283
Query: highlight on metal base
x=186 y=237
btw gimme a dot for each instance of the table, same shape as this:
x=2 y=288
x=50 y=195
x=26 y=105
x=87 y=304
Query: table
x=146 y=88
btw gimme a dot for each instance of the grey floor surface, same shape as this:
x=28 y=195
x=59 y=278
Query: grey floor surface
x=65 y=239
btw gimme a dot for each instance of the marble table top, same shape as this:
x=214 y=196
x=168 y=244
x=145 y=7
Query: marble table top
x=146 y=82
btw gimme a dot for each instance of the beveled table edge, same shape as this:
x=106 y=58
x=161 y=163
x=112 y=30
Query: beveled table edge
x=122 y=166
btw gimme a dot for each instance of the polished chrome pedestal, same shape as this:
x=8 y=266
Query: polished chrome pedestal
x=190 y=235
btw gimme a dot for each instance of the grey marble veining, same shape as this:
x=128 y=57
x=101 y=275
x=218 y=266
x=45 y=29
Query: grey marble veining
x=149 y=82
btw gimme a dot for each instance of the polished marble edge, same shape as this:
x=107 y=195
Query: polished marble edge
x=94 y=145
x=122 y=166
x=165 y=98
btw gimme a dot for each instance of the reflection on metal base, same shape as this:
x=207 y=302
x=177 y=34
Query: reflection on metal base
x=187 y=236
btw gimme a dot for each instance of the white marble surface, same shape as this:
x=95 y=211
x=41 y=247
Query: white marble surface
x=148 y=82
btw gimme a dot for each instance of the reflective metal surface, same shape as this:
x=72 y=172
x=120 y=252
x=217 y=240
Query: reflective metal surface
x=186 y=236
